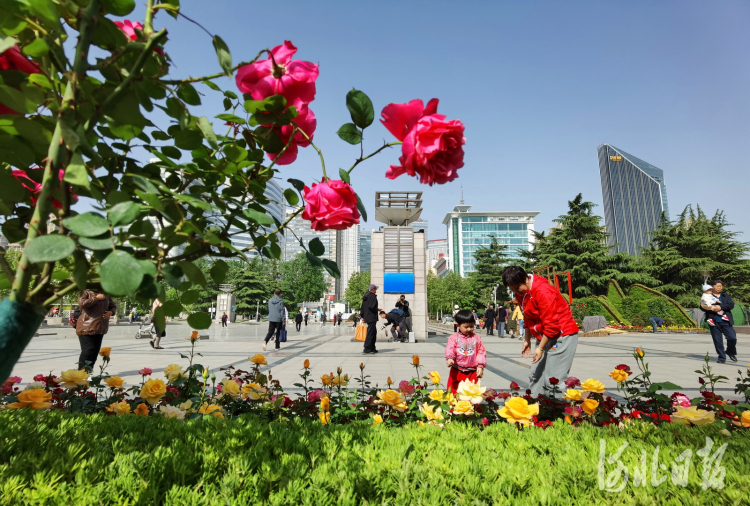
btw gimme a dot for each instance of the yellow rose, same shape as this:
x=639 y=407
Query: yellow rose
x=258 y=359
x=141 y=409
x=114 y=382
x=437 y=395
x=572 y=395
x=153 y=390
x=35 y=398
x=692 y=415
x=590 y=405
x=325 y=403
x=230 y=387
x=185 y=405
x=518 y=410
x=592 y=385
x=434 y=377
x=211 y=410
x=105 y=352
x=119 y=408
x=172 y=412
x=340 y=380
x=173 y=372
x=326 y=379
x=463 y=408
x=415 y=359
x=325 y=417
x=618 y=375
x=393 y=399
x=253 y=391
x=431 y=412
x=470 y=391
x=73 y=378
x=744 y=420
x=377 y=419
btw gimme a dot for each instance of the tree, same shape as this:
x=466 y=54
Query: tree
x=679 y=250
x=490 y=262
x=301 y=281
x=445 y=292
x=579 y=245
x=356 y=289
x=247 y=278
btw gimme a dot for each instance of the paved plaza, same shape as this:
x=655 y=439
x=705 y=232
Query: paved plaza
x=672 y=357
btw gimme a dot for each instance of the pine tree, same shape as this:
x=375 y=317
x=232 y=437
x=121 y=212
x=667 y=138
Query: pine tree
x=301 y=281
x=488 y=270
x=247 y=278
x=356 y=289
x=679 y=250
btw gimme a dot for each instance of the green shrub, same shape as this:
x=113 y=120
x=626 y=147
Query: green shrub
x=615 y=293
x=55 y=458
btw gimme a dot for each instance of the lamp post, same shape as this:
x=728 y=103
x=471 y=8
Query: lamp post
x=494 y=294
x=705 y=273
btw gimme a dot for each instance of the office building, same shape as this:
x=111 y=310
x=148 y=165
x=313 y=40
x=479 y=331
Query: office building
x=276 y=208
x=634 y=195
x=468 y=231
x=420 y=225
x=365 y=248
x=348 y=259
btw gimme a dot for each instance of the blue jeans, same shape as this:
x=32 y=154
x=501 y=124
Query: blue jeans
x=653 y=323
x=718 y=331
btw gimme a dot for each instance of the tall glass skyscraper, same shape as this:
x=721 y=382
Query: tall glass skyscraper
x=277 y=209
x=365 y=250
x=634 y=196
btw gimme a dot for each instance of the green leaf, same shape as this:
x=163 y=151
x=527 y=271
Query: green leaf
x=350 y=133
x=87 y=224
x=316 y=247
x=224 y=56
x=361 y=208
x=666 y=385
x=193 y=273
x=173 y=275
x=119 y=7
x=96 y=244
x=332 y=268
x=360 y=108
x=190 y=297
x=172 y=308
x=80 y=269
x=199 y=321
x=121 y=274
x=49 y=248
x=208 y=132
x=160 y=136
x=124 y=213
x=257 y=217
x=16 y=100
x=219 y=271
x=171 y=152
x=291 y=197
x=76 y=172
x=36 y=49
x=344 y=175
x=10 y=189
x=231 y=118
x=45 y=10
x=211 y=85
x=275 y=250
x=188 y=139
x=40 y=80
x=188 y=94
x=298 y=185
x=270 y=139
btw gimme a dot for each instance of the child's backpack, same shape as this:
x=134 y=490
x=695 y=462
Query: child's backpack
x=399 y=312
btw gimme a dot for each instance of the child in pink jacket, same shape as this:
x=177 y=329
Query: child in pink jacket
x=465 y=353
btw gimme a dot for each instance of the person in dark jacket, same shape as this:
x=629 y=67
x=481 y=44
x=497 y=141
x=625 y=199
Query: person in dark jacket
x=307 y=315
x=656 y=322
x=92 y=324
x=489 y=319
x=370 y=316
x=722 y=328
x=396 y=323
x=298 y=320
x=275 y=318
x=403 y=305
x=500 y=317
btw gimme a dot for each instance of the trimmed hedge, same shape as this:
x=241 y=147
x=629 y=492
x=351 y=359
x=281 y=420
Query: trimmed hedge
x=658 y=304
x=56 y=458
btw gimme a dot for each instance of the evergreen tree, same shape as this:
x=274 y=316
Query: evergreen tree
x=579 y=245
x=679 y=250
x=488 y=270
x=247 y=278
x=356 y=289
x=209 y=292
x=301 y=281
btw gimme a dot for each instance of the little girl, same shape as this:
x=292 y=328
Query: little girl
x=465 y=353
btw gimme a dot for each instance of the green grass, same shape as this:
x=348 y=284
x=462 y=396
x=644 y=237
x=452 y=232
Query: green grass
x=57 y=458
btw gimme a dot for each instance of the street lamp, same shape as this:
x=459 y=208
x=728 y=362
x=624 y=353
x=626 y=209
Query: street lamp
x=494 y=294
x=705 y=273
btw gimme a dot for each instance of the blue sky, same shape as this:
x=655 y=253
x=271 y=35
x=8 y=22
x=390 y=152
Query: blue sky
x=539 y=85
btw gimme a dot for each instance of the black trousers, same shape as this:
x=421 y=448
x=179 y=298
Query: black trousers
x=718 y=332
x=274 y=327
x=223 y=323
x=299 y=326
x=489 y=326
x=371 y=337
x=90 y=346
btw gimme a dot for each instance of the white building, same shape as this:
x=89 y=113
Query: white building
x=436 y=249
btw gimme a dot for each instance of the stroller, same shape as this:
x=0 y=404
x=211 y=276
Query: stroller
x=146 y=330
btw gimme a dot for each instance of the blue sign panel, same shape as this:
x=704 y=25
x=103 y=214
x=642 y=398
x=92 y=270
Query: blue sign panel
x=398 y=282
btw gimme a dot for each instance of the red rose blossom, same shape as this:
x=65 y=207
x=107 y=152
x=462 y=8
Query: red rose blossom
x=331 y=204
x=514 y=386
x=36 y=188
x=624 y=367
x=554 y=381
x=13 y=59
x=432 y=147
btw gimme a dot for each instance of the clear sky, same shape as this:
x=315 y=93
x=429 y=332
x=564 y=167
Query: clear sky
x=539 y=85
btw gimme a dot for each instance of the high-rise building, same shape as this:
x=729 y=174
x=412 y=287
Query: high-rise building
x=468 y=231
x=348 y=260
x=365 y=248
x=635 y=196
x=276 y=208
x=420 y=224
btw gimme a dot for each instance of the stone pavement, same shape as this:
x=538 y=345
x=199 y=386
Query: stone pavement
x=672 y=357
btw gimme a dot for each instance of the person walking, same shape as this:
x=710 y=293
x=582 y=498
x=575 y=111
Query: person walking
x=298 y=320
x=455 y=312
x=160 y=328
x=307 y=315
x=721 y=314
x=489 y=319
x=370 y=312
x=275 y=318
x=550 y=322
x=656 y=322
x=341 y=317
x=224 y=319
x=518 y=316
x=502 y=313
x=323 y=319
x=403 y=305
x=334 y=319
x=92 y=324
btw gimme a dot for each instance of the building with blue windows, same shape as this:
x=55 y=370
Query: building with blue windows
x=276 y=208
x=468 y=231
x=365 y=250
x=634 y=195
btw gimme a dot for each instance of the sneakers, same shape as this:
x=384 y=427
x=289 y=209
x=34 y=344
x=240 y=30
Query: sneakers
x=724 y=317
x=710 y=322
x=733 y=358
x=264 y=346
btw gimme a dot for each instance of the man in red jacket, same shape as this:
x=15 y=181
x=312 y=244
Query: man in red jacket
x=548 y=318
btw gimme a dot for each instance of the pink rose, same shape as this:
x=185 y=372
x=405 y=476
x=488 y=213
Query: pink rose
x=572 y=382
x=13 y=380
x=13 y=59
x=305 y=120
x=145 y=371
x=679 y=399
x=40 y=378
x=432 y=147
x=332 y=204
x=295 y=80
x=129 y=28
x=405 y=388
x=315 y=396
